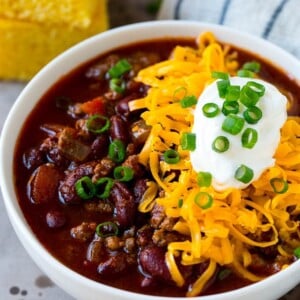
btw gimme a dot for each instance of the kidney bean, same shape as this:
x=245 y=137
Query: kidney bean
x=55 y=219
x=99 y=147
x=118 y=129
x=139 y=189
x=43 y=184
x=125 y=207
x=113 y=265
x=67 y=193
x=33 y=158
x=152 y=260
x=122 y=107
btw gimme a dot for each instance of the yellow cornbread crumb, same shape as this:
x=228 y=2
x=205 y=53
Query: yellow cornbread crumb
x=27 y=46
x=74 y=13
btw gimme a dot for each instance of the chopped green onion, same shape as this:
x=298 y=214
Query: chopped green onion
x=252 y=114
x=224 y=274
x=230 y=107
x=107 y=229
x=121 y=67
x=97 y=123
x=103 y=187
x=210 y=109
x=297 y=252
x=204 y=179
x=279 y=185
x=249 y=138
x=233 y=124
x=248 y=96
x=222 y=87
x=117 y=85
x=171 y=156
x=203 y=200
x=245 y=73
x=219 y=75
x=220 y=144
x=116 y=151
x=188 y=141
x=188 y=101
x=180 y=203
x=244 y=174
x=233 y=93
x=123 y=173
x=258 y=88
x=85 y=188
x=253 y=66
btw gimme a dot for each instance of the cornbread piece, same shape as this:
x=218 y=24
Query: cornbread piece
x=26 y=46
x=73 y=13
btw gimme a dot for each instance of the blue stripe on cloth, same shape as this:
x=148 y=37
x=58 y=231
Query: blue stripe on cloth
x=273 y=18
x=224 y=11
x=177 y=10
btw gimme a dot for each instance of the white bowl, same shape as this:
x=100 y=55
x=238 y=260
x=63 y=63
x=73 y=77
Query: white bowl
x=73 y=283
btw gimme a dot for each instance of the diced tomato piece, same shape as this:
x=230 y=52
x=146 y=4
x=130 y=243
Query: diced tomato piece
x=94 y=106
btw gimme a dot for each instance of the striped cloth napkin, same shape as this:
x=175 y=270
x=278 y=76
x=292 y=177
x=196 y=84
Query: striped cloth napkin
x=275 y=20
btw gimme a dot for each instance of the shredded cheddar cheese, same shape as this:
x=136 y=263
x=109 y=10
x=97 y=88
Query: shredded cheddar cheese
x=224 y=233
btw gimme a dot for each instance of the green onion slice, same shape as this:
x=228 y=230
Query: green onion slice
x=224 y=273
x=210 y=109
x=249 y=138
x=85 y=188
x=219 y=75
x=220 y=144
x=252 y=66
x=171 y=156
x=244 y=174
x=203 y=200
x=222 y=87
x=233 y=124
x=245 y=73
x=233 y=93
x=249 y=97
x=103 y=187
x=297 y=252
x=204 y=179
x=188 y=141
x=258 y=88
x=107 y=229
x=97 y=123
x=116 y=151
x=121 y=67
x=279 y=185
x=180 y=203
x=252 y=114
x=123 y=173
x=188 y=101
x=117 y=85
x=230 y=107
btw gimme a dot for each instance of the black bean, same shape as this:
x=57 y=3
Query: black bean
x=55 y=219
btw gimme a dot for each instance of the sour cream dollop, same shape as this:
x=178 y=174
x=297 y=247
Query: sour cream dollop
x=222 y=166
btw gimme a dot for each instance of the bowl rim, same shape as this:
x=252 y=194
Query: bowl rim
x=34 y=90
